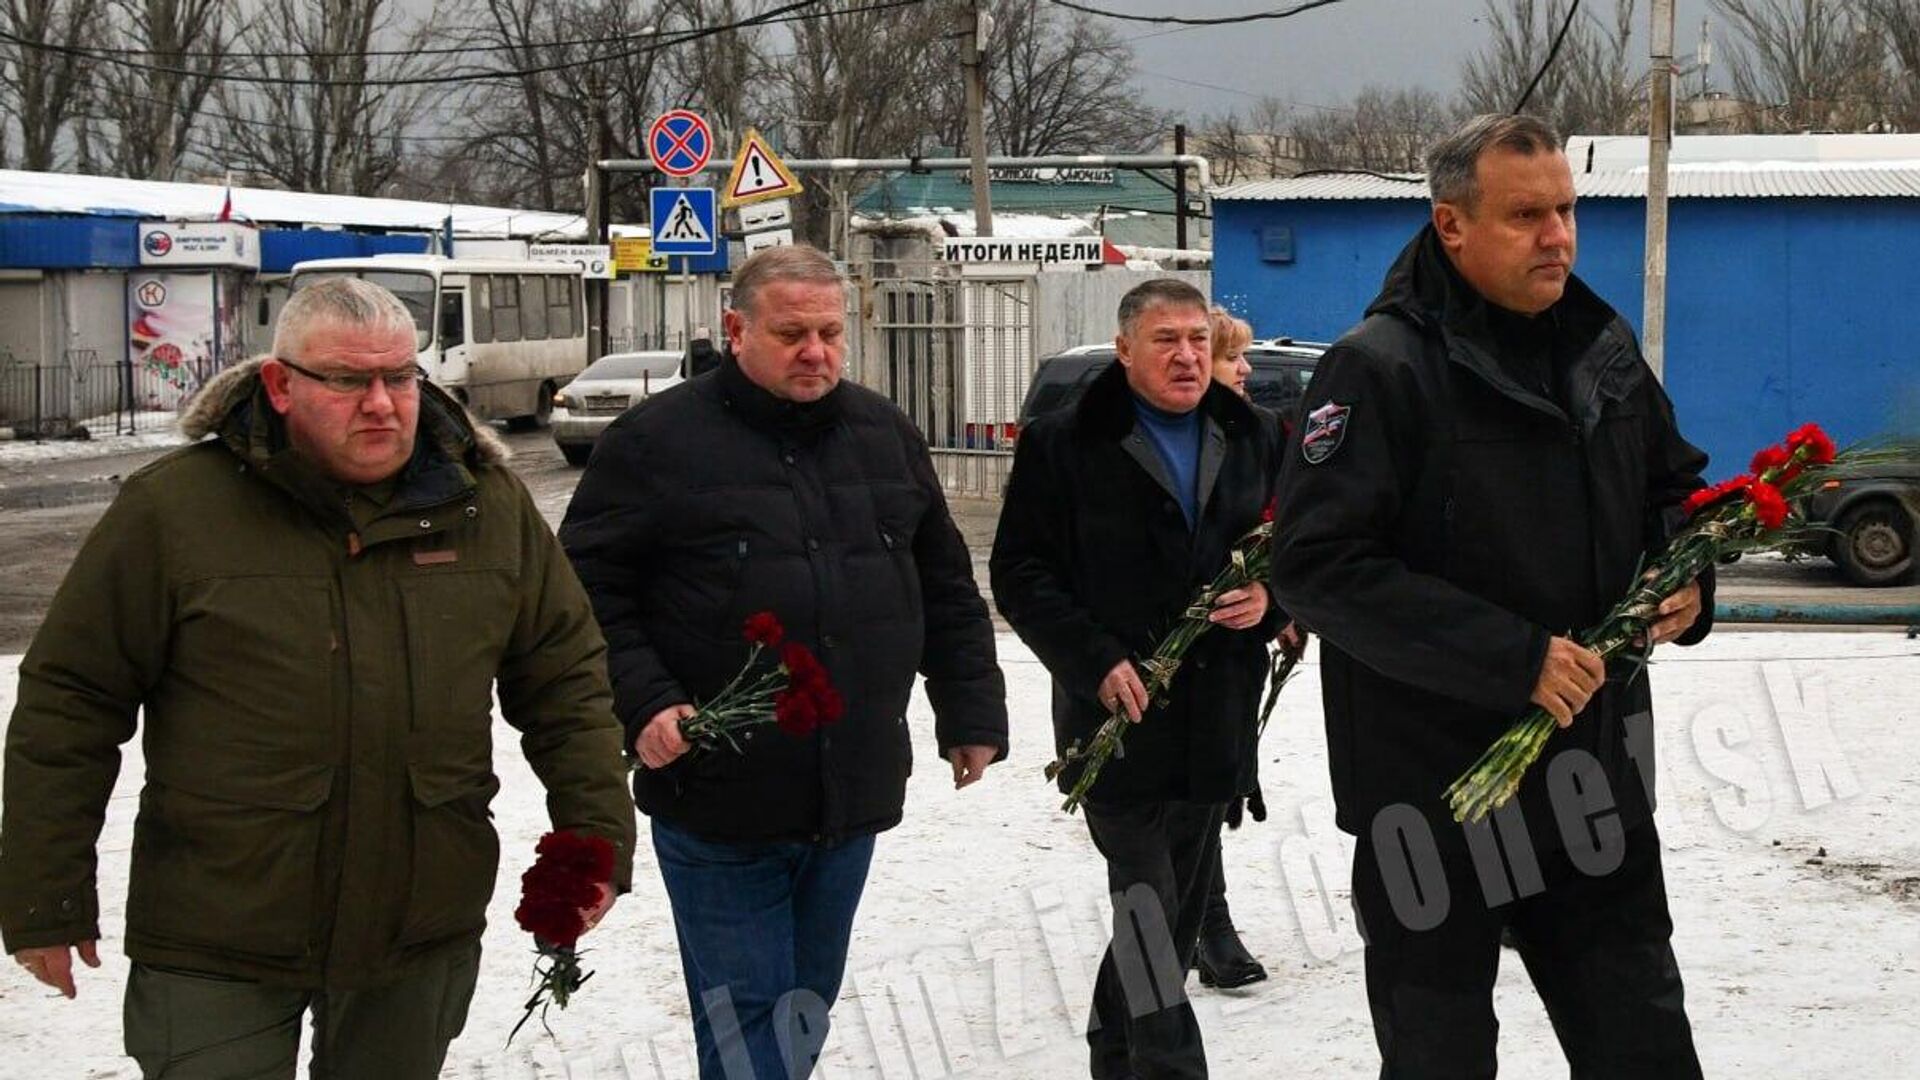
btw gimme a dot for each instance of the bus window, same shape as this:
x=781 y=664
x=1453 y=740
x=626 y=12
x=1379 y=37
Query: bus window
x=415 y=290
x=560 y=306
x=482 y=294
x=506 y=307
x=453 y=319
x=533 y=307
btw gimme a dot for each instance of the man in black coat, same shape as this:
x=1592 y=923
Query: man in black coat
x=1483 y=464
x=1121 y=507
x=770 y=485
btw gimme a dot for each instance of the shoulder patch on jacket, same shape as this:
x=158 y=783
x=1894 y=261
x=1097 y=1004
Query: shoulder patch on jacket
x=1326 y=429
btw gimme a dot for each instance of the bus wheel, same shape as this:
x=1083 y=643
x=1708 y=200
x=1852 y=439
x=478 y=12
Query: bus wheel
x=542 y=413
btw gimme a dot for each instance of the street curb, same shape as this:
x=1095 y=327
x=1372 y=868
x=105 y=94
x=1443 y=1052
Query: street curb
x=1760 y=611
x=59 y=494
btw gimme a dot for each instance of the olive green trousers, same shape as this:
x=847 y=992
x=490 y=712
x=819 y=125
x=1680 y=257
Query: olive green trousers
x=183 y=1025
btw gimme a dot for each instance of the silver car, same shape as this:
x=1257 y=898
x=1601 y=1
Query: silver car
x=607 y=388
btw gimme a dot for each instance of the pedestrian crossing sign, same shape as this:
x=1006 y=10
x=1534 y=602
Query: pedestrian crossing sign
x=683 y=221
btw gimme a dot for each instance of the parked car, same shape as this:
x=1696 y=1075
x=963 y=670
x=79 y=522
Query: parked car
x=1872 y=521
x=607 y=388
x=1281 y=370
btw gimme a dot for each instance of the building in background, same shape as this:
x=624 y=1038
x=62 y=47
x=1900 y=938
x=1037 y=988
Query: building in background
x=1790 y=294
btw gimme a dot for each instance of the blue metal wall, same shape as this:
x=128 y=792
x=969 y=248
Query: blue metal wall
x=1779 y=311
x=68 y=243
x=281 y=248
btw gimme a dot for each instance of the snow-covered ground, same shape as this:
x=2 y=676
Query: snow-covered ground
x=1789 y=782
x=156 y=430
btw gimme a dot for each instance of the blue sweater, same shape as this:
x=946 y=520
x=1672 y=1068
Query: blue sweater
x=1177 y=438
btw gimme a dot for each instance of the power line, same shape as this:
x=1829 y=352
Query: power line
x=1551 y=54
x=104 y=52
x=1174 y=20
x=771 y=16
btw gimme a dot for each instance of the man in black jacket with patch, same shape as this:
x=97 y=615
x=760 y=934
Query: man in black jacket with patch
x=1119 y=508
x=1483 y=465
x=770 y=485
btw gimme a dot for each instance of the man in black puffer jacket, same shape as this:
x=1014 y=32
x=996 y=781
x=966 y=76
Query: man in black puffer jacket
x=767 y=485
x=1483 y=465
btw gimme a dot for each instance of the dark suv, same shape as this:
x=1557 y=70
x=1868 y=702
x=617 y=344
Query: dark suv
x=1873 y=521
x=1281 y=368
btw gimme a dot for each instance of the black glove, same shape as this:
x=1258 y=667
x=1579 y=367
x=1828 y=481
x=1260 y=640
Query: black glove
x=1240 y=806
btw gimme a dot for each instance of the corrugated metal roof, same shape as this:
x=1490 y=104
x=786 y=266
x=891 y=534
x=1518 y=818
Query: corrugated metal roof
x=68 y=193
x=1723 y=180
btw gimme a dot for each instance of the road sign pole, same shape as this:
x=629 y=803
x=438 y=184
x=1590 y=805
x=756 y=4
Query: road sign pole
x=686 y=293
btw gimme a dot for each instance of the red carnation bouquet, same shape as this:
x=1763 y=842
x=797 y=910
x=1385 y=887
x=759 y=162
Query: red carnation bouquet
x=796 y=695
x=1751 y=512
x=556 y=895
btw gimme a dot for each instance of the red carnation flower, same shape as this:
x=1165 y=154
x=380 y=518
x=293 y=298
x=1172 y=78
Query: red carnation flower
x=556 y=892
x=795 y=712
x=763 y=629
x=1266 y=516
x=1710 y=496
x=1769 y=508
x=1773 y=457
x=581 y=857
x=1820 y=449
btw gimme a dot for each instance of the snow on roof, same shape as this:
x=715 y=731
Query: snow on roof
x=1700 y=167
x=70 y=193
x=1025 y=226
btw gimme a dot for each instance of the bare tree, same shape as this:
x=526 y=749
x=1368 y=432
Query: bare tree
x=145 y=116
x=1226 y=143
x=1898 y=23
x=1061 y=84
x=859 y=83
x=1593 y=86
x=1382 y=131
x=1810 y=64
x=41 y=79
x=724 y=76
x=320 y=117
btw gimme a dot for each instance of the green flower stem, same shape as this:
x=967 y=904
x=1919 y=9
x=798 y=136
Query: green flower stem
x=1727 y=528
x=1249 y=563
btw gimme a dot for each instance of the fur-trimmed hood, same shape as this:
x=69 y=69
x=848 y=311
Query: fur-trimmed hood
x=226 y=403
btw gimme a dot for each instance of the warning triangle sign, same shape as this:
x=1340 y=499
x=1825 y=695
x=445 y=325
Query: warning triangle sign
x=683 y=224
x=758 y=174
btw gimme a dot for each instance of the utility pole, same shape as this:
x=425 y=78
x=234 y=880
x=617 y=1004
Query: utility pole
x=1653 y=332
x=596 y=200
x=979 y=27
x=1179 y=189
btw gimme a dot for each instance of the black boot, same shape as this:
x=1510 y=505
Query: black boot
x=1224 y=962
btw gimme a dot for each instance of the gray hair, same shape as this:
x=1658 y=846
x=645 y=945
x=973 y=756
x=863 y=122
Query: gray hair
x=798 y=262
x=1451 y=161
x=339 y=301
x=1155 y=292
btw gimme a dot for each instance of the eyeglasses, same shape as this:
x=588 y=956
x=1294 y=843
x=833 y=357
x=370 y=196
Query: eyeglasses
x=397 y=381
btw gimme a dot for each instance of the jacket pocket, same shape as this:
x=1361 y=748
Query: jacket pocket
x=457 y=630
x=456 y=853
x=227 y=858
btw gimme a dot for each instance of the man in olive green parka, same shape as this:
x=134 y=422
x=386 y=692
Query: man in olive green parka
x=313 y=609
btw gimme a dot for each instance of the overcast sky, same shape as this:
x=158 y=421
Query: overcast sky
x=1325 y=56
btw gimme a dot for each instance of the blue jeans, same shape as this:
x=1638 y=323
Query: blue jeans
x=763 y=932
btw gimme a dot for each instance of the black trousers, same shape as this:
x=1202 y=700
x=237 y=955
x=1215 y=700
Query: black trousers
x=1214 y=916
x=1595 y=944
x=1160 y=862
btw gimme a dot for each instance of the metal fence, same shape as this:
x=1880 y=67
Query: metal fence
x=956 y=354
x=49 y=401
